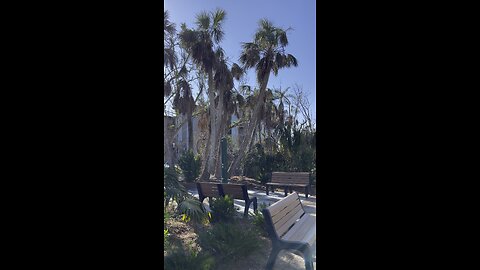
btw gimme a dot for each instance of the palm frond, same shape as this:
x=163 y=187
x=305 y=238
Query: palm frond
x=168 y=26
x=237 y=71
x=250 y=55
x=193 y=209
x=217 y=31
x=282 y=37
x=292 y=60
x=203 y=21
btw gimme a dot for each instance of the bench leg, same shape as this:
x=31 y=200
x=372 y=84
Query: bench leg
x=267 y=189
x=255 y=205
x=247 y=206
x=271 y=259
x=308 y=257
x=306 y=192
x=286 y=191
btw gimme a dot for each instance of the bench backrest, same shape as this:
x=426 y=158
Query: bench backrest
x=291 y=177
x=235 y=191
x=215 y=190
x=282 y=215
x=208 y=189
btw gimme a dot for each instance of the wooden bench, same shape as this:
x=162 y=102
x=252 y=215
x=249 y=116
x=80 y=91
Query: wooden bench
x=287 y=180
x=289 y=227
x=234 y=191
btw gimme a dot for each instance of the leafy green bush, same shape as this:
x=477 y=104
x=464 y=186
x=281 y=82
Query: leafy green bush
x=173 y=189
x=229 y=241
x=190 y=165
x=180 y=259
x=258 y=165
x=258 y=220
x=186 y=203
x=193 y=210
x=223 y=209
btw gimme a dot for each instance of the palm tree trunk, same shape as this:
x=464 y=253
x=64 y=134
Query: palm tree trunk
x=205 y=175
x=218 y=164
x=190 y=130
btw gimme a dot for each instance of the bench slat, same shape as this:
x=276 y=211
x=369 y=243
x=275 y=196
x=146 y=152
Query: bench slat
x=233 y=191
x=303 y=231
x=291 y=177
x=286 y=185
x=290 y=221
x=209 y=189
x=295 y=206
x=282 y=204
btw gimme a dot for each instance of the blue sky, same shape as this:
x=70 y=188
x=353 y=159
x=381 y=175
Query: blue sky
x=241 y=23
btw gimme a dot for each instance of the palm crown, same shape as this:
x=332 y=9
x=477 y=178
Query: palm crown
x=267 y=52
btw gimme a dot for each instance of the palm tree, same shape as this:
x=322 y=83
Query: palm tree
x=200 y=43
x=169 y=56
x=266 y=54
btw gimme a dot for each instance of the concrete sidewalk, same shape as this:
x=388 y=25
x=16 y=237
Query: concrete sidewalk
x=308 y=203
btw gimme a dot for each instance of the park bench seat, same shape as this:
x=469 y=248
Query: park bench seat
x=289 y=180
x=234 y=191
x=289 y=227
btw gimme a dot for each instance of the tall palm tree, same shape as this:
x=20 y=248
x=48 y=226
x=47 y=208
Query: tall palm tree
x=201 y=43
x=169 y=56
x=267 y=55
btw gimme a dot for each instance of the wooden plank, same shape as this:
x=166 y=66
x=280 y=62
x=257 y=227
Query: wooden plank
x=284 y=228
x=233 y=191
x=287 y=185
x=285 y=211
x=209 y=190
x=291 y=177
x=303 y=231
x=283 y=203
x=285 y=217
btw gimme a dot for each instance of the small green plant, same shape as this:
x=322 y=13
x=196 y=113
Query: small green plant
x=190 y=165
x=229 y=241
x=258 y=220
x=165 y=238
x=223 y=209
x=181 y=259
x=172 y=188
x=192 y=209
x=166 y=216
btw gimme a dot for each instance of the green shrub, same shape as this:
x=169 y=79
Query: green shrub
x=180 y=259
x=258 y=165
x=223 y=209
x=192 y=209
x=229 y=241
x=190 y=165
x=173 y=189
x=258 y=220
